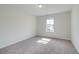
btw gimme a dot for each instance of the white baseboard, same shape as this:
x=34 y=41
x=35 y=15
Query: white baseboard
x=52 y=37
x=14 y=42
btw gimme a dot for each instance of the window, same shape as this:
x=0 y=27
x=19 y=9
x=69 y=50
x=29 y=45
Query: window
x=50 y=25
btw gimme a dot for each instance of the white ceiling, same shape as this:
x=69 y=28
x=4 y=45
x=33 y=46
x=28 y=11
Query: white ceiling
x=46 y=9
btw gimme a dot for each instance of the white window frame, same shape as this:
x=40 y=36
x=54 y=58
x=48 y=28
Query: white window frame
x=50 y=24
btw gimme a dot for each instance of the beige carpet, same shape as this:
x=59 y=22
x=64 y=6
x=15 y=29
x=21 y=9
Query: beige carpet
x=40 y=45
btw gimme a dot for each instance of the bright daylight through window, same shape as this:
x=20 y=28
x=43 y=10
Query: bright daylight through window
x=50 y=25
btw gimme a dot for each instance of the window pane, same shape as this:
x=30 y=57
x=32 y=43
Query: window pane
x=50 y=25
x=50 y=21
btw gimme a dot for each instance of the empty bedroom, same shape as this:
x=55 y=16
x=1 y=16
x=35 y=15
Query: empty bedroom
x=39 y=29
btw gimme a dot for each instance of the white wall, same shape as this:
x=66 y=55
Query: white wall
x=15 y=25
x=75 y=26
x=62 y=25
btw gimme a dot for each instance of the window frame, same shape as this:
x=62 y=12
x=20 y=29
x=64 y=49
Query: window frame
x=48 y=29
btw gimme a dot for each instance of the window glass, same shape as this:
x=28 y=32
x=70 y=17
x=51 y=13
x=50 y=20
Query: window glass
x=50 y=25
